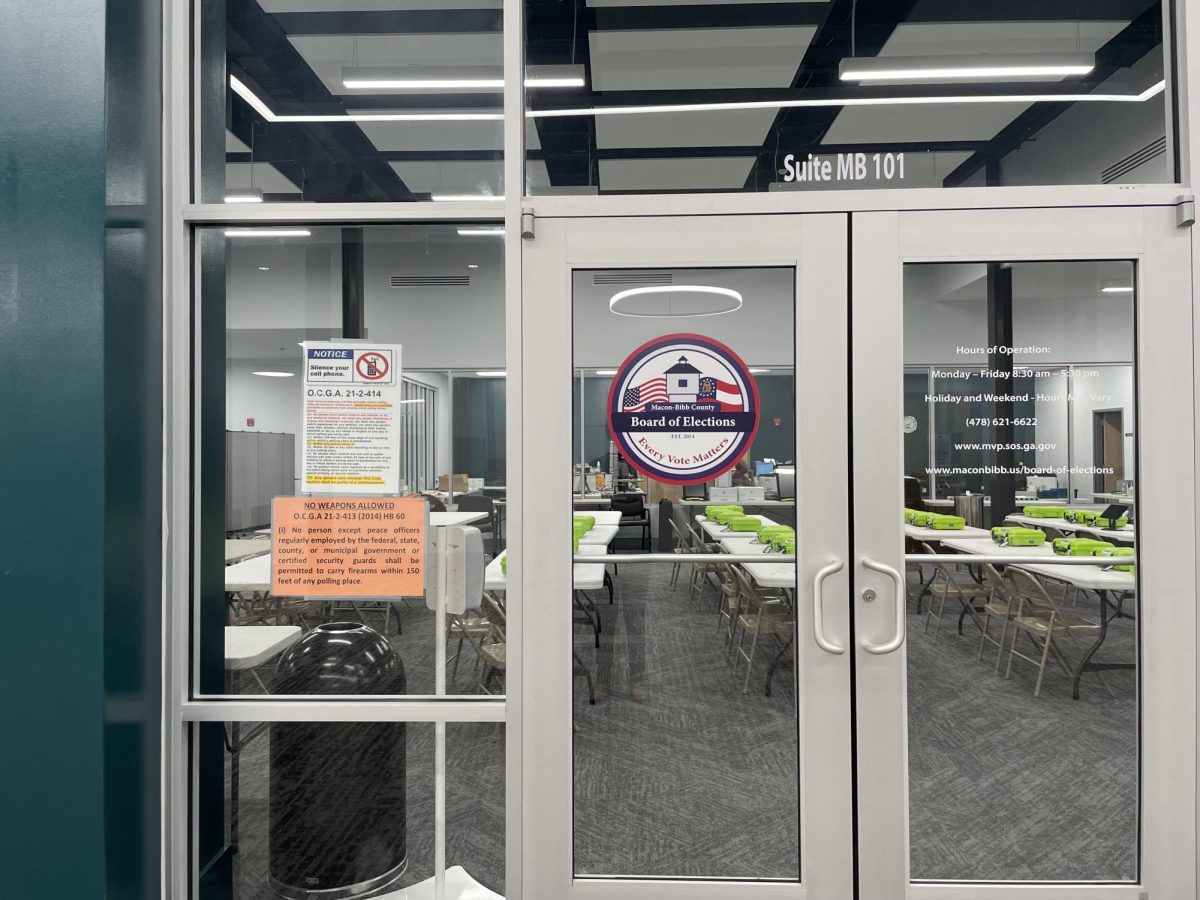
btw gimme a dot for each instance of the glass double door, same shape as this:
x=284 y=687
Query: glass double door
x=880 y=575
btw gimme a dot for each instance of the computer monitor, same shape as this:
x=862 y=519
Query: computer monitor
x=786 y=477
x=764 y=467
x=694 y=491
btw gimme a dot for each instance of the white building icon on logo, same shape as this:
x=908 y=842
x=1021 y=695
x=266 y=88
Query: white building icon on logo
x=683 y=382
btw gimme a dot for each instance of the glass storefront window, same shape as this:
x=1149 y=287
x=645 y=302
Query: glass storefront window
x=814 y=96
x=343 y=809
x=269 y=298
x=320 y=102
x=1019 y=382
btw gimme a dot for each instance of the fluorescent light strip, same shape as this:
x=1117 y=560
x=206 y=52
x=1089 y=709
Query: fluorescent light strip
x=963 y=72
x=244 y=196
x=464 y=198
x=267 y=232
x=481 y=231
x=261 y=108
x=1117 y=289
x=956 y=68
x=491 y=374
x=276 y=374
x=606 y=371
x=848 y=101
x=434 y=84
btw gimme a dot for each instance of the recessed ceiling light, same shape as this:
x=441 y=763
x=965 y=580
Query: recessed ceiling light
x=463 y=198
x=275 y=374
x=442 y=78
x=264 y=268
x=979 y=67
x=481 y=230
x=243 y=195
x=733 y=296
x=267 y=232
x=472 y=266
x=499 y=374
x=1117 y=289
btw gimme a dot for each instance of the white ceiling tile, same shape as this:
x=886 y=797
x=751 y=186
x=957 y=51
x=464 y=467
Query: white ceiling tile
x=722 y=173
x=326 y=54
x=233 y=144
x=925 y=123
x=288 y=6
x=723 y=128
x=265 y=178
x=697 y=58
x=604 y=3
x=970 y=38
x=451 y=176
x=488 y=135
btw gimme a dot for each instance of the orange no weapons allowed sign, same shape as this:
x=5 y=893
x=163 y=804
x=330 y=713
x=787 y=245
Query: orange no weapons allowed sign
x=348 y=546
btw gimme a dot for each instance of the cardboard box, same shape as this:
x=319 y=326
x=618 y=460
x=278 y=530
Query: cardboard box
x=750 y=495
x=460 y=483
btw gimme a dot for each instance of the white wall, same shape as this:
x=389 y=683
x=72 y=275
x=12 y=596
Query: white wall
x=276 y=404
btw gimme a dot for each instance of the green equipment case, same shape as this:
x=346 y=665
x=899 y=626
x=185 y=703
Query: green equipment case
x=711 y=510
x=909 y=515
x=1102 y=522
x=1081 y=516
x=1117 y=552
x=1079 y=546
x=1018 y=537
x=587 y=522
x=743 y=523
x=923 y=519
x=783 y=541
x=1045 y=512
x=722 y=516
x=766 y=532
x=948 y=523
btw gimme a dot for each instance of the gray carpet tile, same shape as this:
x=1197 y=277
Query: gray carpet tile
x=692 y=778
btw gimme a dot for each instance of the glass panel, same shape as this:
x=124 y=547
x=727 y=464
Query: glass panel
x=297 y=809
x=324 y=101
x=268 y=298
x=694 y=722
x=765 y=96
x=1022 y=680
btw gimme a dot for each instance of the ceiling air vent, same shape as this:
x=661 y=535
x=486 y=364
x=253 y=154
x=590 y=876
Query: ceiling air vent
x=1123 y=167
x=418 y=281
x=632 y=278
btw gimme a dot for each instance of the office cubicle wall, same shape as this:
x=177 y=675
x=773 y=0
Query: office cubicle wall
x=261 y=466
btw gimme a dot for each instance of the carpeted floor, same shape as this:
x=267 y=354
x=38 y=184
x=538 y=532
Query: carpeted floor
x=679 y=773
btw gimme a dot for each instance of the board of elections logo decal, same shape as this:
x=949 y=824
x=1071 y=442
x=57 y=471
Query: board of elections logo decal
x=683 y=408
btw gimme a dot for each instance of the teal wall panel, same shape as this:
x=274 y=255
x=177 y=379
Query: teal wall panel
x=52 y=455
x=80 y=398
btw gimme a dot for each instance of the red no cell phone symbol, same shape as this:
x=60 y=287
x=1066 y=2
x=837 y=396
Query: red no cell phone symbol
x=371 y=365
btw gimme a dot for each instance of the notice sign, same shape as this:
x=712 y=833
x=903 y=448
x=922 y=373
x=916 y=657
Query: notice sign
x=683 y=408
x=351 y=419
x=348 y=547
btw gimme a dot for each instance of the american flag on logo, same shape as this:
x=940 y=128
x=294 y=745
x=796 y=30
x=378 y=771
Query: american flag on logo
x=724 y=394
x=653 y=391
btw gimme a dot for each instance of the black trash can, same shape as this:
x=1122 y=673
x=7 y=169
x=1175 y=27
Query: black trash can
x=338 y=804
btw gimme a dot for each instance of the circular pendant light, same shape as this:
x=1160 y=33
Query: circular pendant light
x=675 y=300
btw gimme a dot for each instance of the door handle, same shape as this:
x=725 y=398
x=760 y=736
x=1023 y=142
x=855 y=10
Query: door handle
x=818 y=608
x=898 y=582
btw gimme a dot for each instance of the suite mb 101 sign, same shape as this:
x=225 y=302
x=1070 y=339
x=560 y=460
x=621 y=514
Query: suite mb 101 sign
x=683 y=408
x=844 y=167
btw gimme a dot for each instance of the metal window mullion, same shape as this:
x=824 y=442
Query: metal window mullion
x=344 y=709
x=331 y=213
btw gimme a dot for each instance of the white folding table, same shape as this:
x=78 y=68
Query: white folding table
x=1103 y=581
x=236 y=551
x=1125 y=535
